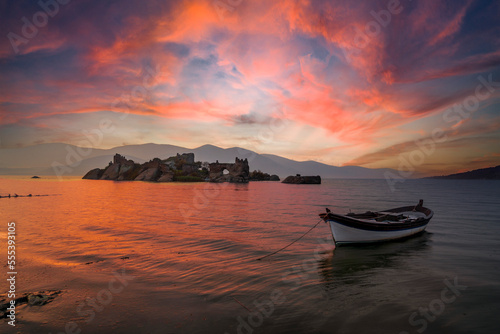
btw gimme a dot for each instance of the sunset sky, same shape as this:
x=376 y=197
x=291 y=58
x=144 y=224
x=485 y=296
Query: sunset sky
x=341 y=82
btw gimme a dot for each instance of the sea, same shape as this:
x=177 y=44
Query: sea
x=143 y=257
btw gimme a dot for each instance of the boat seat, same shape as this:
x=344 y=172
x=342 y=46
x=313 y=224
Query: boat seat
x=390 y=217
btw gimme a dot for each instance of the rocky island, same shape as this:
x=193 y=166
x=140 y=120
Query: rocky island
x=298 y=179
x=179 y=168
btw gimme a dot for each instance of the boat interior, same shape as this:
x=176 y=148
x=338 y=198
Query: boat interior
x=405 y=213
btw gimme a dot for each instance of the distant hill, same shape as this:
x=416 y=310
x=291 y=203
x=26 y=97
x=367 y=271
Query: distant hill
x=491 y=173
x=74 y=160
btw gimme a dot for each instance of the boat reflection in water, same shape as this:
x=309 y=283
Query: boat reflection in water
x=360 y=264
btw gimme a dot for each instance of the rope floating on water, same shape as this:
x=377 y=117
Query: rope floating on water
x=29 y=195
x=303 y=235
x=241 y=304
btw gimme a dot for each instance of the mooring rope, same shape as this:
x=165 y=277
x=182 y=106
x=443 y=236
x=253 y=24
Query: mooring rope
x=303 y=235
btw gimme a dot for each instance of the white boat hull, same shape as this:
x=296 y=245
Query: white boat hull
x=378 y=226
x=343 y=234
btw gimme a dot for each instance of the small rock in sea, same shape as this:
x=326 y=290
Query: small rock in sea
x=299 y=179
x=37 y=299
x=32 y=298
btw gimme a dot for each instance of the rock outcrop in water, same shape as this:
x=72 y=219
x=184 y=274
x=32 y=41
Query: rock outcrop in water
x=181 y=167
x=257 y=175
x=298 y=179
x=178 y=168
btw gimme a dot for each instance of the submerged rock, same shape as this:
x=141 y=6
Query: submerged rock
x=39 y=298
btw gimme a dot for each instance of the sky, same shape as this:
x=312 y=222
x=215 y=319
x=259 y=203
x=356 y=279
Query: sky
x=410 y=85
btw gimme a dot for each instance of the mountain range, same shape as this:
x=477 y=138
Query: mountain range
x=490 y=173
x=64 y=160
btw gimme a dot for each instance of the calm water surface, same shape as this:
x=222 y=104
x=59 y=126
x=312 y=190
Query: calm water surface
x=187 y=255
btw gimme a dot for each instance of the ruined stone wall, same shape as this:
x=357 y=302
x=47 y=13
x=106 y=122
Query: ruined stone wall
x=238 y=172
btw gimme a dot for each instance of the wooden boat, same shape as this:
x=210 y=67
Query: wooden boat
x=378 y=226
